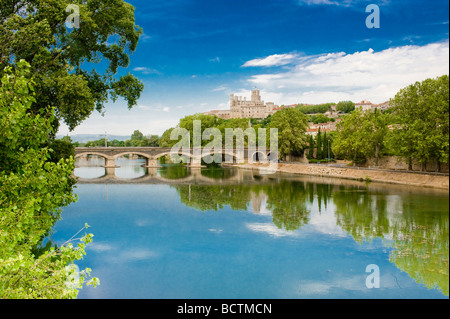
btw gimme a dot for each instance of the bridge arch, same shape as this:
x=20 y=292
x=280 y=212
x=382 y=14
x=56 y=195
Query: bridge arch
x=133 y=153
x=91 y=153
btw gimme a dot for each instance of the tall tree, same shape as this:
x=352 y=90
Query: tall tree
x=361 y=134
x=421 y=115
x=63 y=60
x=291 y=124
x=311 y=145
x=319 y=154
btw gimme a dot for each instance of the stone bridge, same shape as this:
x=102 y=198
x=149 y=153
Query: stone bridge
x=152 y=154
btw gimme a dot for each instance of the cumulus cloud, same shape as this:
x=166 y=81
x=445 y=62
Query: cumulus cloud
x=376 y=76
x=271 y=60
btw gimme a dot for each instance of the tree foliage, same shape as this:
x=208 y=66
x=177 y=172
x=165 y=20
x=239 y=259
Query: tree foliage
x=317 y=108
x=33 y=188
x=292 y=125
x=345 y=106
x=361 y=134
x=421 y=116
x=61 y=59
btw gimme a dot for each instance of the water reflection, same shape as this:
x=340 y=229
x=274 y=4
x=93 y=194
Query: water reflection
x=130 y=168
x=90 y=167
x=415 y=226
x=412 y=224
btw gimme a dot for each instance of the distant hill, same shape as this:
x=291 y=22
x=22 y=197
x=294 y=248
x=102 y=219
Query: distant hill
x=83 y=138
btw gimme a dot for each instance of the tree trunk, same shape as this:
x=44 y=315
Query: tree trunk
x=409 y=164
x=438 y=166
x=377 y=151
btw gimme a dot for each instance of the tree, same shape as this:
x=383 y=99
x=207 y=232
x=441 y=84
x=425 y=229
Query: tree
x=311 y=144
x=361 y=134
x=291 y=124
x=137 y=136
x=320 y=118
x=319 y=154
x=345 y=106
x=164 y=140
x=32 y=190
x=421 y=117
x=61 y=59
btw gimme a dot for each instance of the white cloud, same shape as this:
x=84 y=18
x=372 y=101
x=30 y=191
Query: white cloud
x=344 y=3
x=216 y=59
x=220 y=88
x=271 y=60
x=271 y=229
x=145 y=70
x=375 y=76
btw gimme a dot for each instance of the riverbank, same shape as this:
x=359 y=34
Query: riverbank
x=406 y=178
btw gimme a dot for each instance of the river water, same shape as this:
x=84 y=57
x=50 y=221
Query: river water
x=174 y=232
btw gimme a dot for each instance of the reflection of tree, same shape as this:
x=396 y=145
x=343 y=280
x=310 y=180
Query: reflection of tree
x=214 y=197
x=218 y=173
x=360 y=213
x=424 y=252
x=287 y=201
x=174 y=171
x=418 y=226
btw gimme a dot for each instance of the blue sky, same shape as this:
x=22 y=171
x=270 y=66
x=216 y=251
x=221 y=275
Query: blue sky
x=194 y=53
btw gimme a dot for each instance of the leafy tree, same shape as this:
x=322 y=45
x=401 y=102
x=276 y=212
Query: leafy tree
x=325 y=146
x=137 y=136
x=361 y=134
x=345 y=106
x=151 y=140
x=60 y=149
x=61 y=59
x=291 y=124
x=32 y=190
x=311 y=109
x=319 y=142
x=164 y=140
x=311 y=145
x=421 y=117
x=320 y=118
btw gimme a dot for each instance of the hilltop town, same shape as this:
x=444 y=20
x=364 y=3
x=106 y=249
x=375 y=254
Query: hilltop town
x=255 y=108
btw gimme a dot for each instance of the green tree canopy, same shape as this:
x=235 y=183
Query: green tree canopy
x=33 y=188
x=345 y=106
x=61 y=59
x=421 y=116
x=292 y=125
x=361 y=134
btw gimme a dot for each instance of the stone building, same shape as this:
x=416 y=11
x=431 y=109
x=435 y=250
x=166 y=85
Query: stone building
x=241 y=108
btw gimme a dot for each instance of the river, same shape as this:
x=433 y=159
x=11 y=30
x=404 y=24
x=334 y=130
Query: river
x=174 y=232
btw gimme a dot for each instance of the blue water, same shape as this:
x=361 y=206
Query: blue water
x=148 y=244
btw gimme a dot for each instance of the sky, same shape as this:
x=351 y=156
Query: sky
x=195 y=53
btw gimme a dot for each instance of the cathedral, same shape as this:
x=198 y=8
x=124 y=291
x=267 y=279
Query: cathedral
x=241 y=108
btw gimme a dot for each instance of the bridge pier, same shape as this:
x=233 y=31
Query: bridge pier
x=151 y=163
x=110 y=162
x=110 y=171
x=196 y=161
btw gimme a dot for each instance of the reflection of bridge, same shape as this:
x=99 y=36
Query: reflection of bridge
x=151 y=154
x=195 y=176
